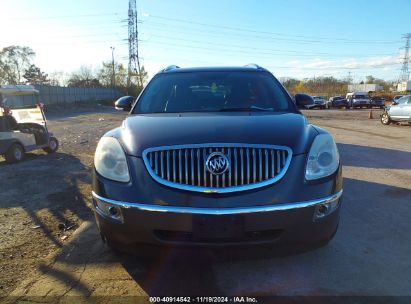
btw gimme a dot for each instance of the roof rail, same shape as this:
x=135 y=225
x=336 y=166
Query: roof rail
x=170 y=68
x=253 y=65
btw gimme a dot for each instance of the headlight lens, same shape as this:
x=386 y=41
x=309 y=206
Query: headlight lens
x=110 y=160
x=323 y=158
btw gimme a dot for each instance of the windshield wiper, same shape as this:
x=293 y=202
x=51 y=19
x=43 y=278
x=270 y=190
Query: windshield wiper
x=250 y=109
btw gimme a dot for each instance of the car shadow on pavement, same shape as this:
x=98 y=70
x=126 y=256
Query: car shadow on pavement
x=372 y=157
x=374 y=217
x=48 y=188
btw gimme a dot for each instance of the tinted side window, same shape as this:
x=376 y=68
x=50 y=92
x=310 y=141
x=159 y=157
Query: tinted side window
x=402 y=100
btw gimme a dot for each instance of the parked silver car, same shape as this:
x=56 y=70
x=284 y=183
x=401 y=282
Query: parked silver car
x=400 y=110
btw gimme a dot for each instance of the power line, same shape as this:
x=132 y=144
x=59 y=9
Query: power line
x=226 y=35
x=67 y=16
x=313 y=39
x=272 y=51
x=236 y=52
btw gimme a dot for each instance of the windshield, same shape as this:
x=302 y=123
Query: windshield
x=360 y=96
x=213 y=91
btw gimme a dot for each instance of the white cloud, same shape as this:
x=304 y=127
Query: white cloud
x=353 y=63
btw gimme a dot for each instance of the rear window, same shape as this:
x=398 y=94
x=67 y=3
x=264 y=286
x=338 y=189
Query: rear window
x=211 y=92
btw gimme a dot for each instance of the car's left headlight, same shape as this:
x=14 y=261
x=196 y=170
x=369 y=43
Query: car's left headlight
x=323 y=158
x=110 y=160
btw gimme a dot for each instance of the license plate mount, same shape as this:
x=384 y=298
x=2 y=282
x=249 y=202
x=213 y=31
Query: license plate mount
x=217 y=226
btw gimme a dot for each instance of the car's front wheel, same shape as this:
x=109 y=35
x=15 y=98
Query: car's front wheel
x=385 y=119
x=15 y=153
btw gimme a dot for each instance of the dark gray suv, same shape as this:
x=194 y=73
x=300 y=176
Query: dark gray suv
x=212 y=157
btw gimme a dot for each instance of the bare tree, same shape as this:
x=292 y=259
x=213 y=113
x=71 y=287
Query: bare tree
x=84 y=77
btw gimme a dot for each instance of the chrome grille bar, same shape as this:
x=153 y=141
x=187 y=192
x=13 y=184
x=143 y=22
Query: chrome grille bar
x=210 y=175
x=192 y=166
x=254 y=167
x=230 y=173
x=174 y=166
x=198 y=168
x=180 y=166
x=162 y=164
x=235 y=167
x=250 y=166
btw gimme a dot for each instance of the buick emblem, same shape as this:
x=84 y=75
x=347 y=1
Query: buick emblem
x=217 y=163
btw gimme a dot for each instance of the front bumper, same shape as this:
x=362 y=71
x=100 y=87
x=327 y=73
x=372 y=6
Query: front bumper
x=361 y=103
x=294 y=223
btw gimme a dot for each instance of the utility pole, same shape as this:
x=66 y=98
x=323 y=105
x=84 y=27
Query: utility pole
x=133 y=58
x=113 y=82
x=349 y=77
x=405 y=74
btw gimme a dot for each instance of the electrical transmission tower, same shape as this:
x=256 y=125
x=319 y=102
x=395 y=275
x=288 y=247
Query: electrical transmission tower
x=405 y=74
x=133 y=59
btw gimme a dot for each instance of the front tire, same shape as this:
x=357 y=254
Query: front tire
x=53 y=145
x=385 y=119
x=15 y=153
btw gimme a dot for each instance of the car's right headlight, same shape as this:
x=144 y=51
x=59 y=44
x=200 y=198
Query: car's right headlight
x=323 y=158
x=110 y=160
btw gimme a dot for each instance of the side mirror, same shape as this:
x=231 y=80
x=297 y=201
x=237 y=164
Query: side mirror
x=303 y=100
x=124 y=103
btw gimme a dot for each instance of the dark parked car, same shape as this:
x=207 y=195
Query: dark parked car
x=216 y=156
x=319 y=102
x=377 y=101
x=337 y=102
x=358 y=100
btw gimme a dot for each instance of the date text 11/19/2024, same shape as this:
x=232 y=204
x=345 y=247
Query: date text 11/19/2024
x=203 y=299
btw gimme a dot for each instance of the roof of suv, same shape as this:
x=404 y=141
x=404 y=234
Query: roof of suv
x=248 y=68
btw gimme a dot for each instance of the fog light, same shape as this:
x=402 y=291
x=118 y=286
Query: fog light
x=323 y=210
x=108 y=210
x=113 y=211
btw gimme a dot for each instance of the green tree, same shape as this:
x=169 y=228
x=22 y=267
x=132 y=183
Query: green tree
x=14 y=60
x=122 y=83
x=139 y=79
x=105 y=75
x=35 y=76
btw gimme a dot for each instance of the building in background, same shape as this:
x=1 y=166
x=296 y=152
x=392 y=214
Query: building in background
x=404 y=86
x=366 y=87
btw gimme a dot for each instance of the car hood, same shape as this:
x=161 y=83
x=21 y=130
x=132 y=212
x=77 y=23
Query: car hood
x=140 y=132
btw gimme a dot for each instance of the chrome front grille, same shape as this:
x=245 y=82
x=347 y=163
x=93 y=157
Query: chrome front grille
x=250 y=166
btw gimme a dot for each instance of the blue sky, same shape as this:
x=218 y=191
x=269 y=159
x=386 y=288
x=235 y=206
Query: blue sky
x=291 y=38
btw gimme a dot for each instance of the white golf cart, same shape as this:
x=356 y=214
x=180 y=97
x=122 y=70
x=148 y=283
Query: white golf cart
x=23 y=130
